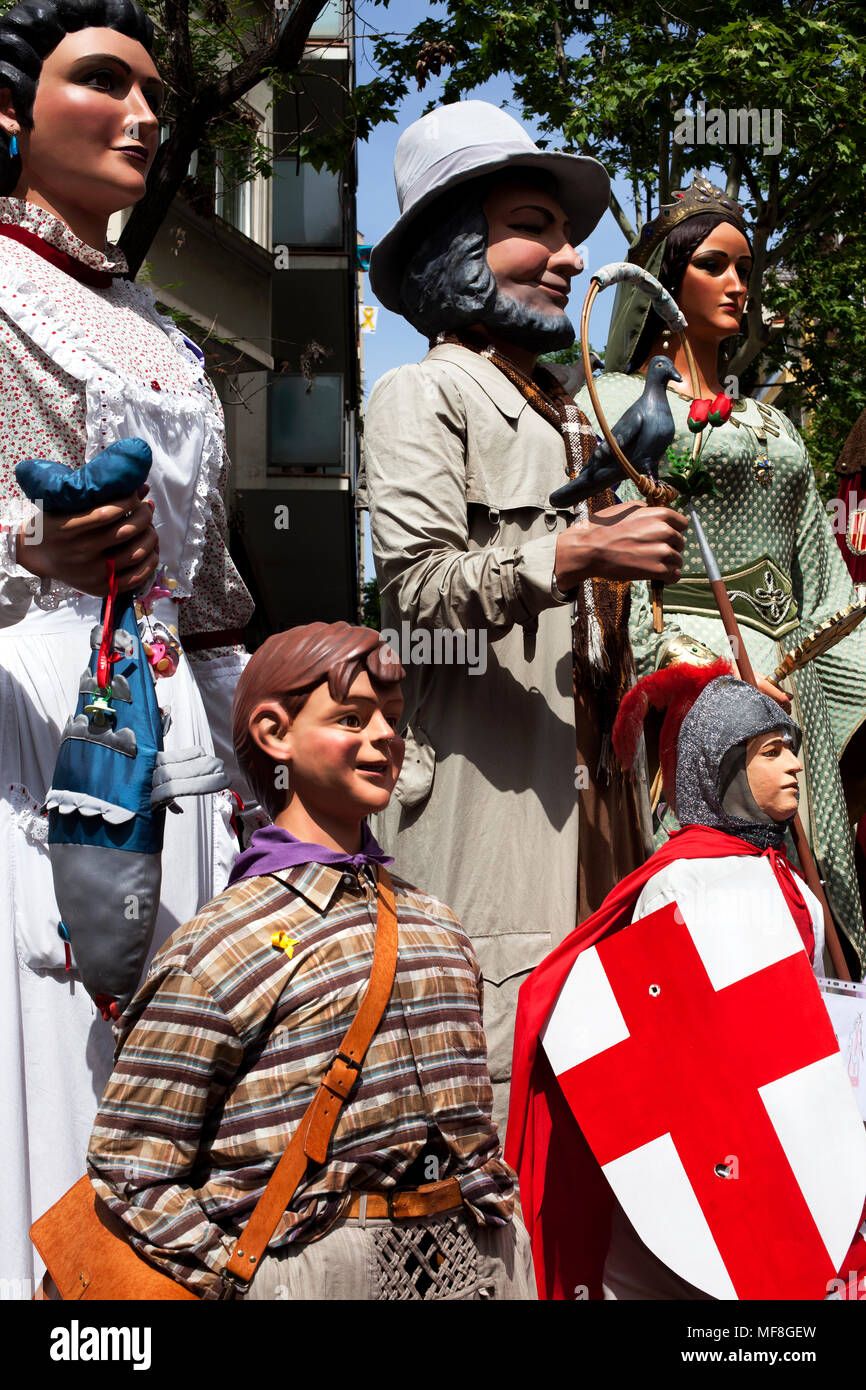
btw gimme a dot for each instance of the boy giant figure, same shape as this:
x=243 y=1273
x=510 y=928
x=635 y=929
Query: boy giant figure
x=246 y=1006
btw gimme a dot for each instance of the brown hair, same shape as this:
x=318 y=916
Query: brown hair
x=287 y=668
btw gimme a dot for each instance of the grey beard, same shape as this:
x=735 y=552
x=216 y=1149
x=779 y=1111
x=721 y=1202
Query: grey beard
x=526 y=327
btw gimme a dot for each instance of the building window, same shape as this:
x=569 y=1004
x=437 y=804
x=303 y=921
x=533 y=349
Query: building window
x=306 y=424
x=329 y=24
x=233 y=201
x=307 y=208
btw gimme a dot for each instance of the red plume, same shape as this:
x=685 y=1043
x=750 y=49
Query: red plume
x=675 y=689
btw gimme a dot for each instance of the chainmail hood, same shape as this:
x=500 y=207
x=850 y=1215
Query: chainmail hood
x=712 y=786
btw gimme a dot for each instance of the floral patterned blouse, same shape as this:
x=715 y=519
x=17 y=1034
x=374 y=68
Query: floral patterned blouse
x=42 y=409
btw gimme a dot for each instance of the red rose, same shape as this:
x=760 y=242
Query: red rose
x=720 y=410
x=698 y=413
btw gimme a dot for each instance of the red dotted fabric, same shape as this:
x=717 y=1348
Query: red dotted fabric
x=42 y=407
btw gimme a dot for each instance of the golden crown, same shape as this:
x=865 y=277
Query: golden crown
x=703 y=196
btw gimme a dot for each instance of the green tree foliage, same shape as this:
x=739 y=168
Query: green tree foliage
x=371 y=605
x=823 y=301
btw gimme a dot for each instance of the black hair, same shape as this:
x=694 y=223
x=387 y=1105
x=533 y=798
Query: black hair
x=447 y=282
x=32 y=30
x=681 y=245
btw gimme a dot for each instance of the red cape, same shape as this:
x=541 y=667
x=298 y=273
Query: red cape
x=544 y=1142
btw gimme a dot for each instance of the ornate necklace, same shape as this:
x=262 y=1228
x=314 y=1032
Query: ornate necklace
x=763 y=468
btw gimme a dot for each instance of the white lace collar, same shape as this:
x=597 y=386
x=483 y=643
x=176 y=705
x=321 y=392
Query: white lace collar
x=56 y=233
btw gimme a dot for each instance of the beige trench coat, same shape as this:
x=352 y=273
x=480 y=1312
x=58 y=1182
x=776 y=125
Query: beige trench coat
x=458 y=469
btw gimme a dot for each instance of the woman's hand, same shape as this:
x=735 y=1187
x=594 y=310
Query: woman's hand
x=73 y=549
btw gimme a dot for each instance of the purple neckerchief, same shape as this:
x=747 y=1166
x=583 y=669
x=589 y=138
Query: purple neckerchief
x=194 y=348
x=272 y=849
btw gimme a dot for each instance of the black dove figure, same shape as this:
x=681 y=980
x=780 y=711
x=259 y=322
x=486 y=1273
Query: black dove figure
x=643 y=432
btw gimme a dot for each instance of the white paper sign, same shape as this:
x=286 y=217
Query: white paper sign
x=846 y=1005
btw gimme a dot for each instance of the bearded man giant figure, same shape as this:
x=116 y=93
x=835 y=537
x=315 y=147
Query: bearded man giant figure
x=508 y=804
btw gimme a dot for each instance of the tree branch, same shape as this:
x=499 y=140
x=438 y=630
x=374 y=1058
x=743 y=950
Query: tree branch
x=754 y=187
x=676 y=167
x=213 y=99
x=812 y=224
x=284 y=54
x=735 y=174
x=561 y=63
x=179 y=48
x=664 y=155
x=622 y=221
x=793 y=203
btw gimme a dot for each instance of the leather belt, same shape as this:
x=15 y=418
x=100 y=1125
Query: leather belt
x=408 y=1203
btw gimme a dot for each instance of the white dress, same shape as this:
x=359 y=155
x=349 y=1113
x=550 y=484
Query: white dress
x=82 y=367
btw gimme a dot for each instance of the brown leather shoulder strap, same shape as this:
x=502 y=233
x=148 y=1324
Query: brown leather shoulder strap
x=311 y=1138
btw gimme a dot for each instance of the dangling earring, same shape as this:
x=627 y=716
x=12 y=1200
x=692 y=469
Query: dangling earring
x=13 y=147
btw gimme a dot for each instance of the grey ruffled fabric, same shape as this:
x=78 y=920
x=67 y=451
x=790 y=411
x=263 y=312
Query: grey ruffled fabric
x=712 y=786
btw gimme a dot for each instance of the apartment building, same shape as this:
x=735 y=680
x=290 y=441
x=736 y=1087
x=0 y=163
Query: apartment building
x=268 y=285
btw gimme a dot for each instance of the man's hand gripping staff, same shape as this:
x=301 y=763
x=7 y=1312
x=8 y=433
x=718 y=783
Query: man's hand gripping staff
x=639 y=541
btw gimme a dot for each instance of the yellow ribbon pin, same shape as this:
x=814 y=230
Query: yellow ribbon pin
x=284 y=942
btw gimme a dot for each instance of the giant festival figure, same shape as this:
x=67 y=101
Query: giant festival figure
x=509 y=770
x=765 y=524
x=237 y=1044
x=87 y=362
x=682 y=1121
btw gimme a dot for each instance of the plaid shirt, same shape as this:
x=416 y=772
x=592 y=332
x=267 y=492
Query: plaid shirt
x=223 y=1047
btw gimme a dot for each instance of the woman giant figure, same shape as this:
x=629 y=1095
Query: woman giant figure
x=765 y=523
x=87 y=360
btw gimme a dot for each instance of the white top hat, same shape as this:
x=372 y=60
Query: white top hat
x=463 y=141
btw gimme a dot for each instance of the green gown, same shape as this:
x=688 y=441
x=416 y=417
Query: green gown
x=785 y=574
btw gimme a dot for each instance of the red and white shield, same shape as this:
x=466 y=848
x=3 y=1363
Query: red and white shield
x=856 y=531
x=710 y=1088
